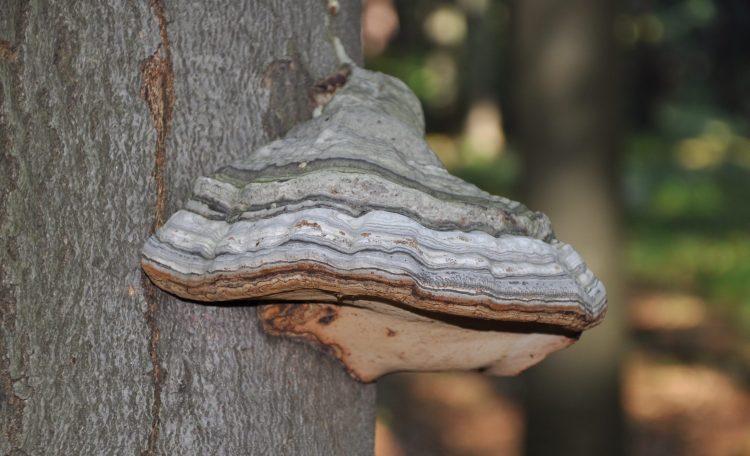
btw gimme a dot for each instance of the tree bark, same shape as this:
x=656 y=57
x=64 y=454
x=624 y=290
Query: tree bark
x=93 y=358
x=565 y=80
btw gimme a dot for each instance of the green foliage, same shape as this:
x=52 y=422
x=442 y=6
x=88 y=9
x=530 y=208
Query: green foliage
x=687 y=157
x=715 y=266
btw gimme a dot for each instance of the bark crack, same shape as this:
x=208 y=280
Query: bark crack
x=157 y=89
x=151 y=295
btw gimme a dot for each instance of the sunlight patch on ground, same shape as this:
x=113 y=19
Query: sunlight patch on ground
x=666 y=311
x=685 y=409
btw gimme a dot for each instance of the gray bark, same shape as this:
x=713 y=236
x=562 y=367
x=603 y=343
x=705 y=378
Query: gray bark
x=93 y=360
x=565 y=79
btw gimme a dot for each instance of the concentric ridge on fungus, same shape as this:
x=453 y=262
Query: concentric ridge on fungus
x=353 y=209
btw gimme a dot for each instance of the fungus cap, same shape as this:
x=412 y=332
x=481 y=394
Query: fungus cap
x=353 y=235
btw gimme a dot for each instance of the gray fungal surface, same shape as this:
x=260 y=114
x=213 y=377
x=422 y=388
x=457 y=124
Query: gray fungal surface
x=352 y=215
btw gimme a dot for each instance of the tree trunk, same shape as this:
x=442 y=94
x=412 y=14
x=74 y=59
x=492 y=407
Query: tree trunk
x=565 y=85
x=93 y=358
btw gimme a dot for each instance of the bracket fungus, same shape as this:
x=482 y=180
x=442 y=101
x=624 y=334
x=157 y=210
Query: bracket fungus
x=351 y=234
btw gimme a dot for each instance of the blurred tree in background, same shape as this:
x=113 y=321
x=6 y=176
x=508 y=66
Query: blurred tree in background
x=564 y=67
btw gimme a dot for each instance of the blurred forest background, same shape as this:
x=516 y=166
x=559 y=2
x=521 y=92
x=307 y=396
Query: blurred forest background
x=629 y=124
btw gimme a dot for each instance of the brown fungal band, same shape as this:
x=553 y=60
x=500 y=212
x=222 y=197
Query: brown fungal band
x=353 y=235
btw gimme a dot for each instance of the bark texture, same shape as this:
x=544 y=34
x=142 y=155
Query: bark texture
x=108 y=111
x=565 y=79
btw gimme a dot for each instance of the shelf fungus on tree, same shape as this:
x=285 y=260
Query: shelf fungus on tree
x=353 y=235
